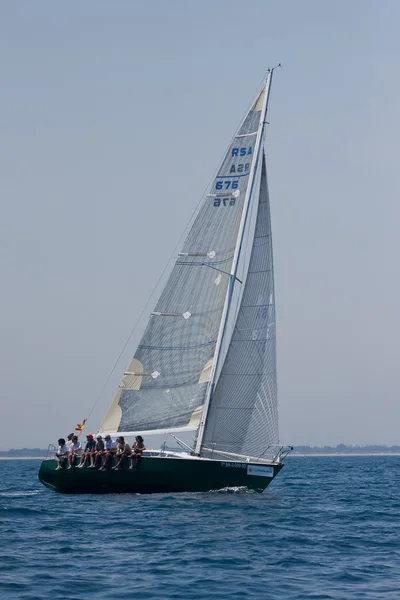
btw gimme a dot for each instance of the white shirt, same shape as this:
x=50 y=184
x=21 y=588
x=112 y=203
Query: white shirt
x=63 y=449
x=75 y=447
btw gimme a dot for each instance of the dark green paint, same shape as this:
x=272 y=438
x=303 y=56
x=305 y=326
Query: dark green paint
x=155 y=475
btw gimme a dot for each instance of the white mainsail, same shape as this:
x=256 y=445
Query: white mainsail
x=175 y=382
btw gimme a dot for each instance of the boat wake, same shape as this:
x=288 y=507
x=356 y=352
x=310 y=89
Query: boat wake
x=237 y=489
x=20 y=494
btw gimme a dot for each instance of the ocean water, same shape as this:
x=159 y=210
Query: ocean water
x=326 y=528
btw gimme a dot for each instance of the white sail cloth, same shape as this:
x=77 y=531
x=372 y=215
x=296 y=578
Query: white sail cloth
x=166 y=383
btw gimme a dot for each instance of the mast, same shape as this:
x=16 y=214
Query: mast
x=235 y=262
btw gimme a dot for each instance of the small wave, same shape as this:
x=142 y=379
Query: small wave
x=23 y=512
x=20 y=494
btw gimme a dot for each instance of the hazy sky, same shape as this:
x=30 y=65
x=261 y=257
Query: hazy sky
x=109 y=109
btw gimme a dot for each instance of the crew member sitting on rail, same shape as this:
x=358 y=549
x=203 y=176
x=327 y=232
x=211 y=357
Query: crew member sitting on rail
x=97 y=453
x=109 y=452
x=74 y=451
x=89 y=447
x=138 y=449
x=61 y=454
x=123 y=450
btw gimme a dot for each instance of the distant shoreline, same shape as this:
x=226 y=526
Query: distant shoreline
x=292 y=455
x=345 y=454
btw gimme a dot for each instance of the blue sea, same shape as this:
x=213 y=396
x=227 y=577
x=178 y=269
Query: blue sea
x=326 y=528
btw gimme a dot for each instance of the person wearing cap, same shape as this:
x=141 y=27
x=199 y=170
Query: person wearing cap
x=109 y=451
x=97 y=453
x=123 y=450
x=69 y=439
x=89 y=447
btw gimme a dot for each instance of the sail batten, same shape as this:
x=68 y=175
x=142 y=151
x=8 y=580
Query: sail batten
x=113 y=433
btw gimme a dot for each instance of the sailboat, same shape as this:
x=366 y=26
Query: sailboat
x=206 y=363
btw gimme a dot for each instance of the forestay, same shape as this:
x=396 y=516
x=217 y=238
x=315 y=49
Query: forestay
x=165 y=384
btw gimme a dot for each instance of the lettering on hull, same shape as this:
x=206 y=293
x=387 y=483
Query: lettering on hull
x=260 y=471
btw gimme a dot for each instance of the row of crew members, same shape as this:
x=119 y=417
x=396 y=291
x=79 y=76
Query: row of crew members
x=99 y=452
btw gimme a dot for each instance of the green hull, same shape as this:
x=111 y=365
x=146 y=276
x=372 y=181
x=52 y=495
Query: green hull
x=160 y=475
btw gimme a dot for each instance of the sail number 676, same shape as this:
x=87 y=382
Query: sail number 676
x=225 y=185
